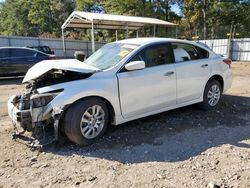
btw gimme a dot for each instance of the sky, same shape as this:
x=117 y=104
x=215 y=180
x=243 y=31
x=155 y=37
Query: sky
x=175 y=8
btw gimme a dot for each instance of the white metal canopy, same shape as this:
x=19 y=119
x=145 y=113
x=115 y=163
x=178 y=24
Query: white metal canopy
x=87 y=20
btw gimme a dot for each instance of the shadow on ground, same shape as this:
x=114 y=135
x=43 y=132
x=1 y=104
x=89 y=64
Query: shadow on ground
x=171 y=136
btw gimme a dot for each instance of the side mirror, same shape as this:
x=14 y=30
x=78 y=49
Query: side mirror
x=135 y=65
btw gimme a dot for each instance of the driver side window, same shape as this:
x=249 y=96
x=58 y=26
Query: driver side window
x=155 y=55
x=136 y=58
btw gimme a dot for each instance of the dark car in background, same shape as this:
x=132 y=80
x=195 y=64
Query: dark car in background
x=44 y=49
x=15 y=61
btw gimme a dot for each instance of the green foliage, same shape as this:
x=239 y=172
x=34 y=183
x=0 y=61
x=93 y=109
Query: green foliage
x=33 y=18
x=221 y=16
x=146 y=8
x=40 y=15
x=89 y=6
x=13 y=18
x=203 y=18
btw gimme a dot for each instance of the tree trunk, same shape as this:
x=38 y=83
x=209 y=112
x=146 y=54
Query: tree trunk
x=204 y=10
x=166 y=16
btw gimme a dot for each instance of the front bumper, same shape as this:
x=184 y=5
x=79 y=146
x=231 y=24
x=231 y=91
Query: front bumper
x=34 y=120
x=29 y=118
x=22 y=117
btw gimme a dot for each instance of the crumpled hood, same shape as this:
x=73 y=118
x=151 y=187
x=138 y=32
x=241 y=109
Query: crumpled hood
x=64 y=64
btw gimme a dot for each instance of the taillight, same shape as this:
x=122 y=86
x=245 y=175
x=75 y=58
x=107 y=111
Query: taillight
x=228 y=61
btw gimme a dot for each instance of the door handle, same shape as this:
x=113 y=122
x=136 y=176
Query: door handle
x=168 y=73
x=204 y=65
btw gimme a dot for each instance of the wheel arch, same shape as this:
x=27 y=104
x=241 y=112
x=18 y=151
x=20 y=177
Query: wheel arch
x=107 y=102
x=219 y=78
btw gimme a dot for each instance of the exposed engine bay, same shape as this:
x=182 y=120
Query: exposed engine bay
x=56 y=76
x=32 y=110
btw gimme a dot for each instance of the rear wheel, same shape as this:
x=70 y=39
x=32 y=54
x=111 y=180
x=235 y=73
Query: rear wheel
x=86 y=121
x=212 y=95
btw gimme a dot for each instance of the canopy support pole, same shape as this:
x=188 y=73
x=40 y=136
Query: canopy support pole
x=93 y=36
x=63 y=41
x=116 y=35
x=154 y=30
x=137 y=34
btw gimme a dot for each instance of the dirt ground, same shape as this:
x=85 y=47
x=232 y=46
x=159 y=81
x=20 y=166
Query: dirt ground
x=186 y=147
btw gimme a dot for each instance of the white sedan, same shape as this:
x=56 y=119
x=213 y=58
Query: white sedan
x=122 y=81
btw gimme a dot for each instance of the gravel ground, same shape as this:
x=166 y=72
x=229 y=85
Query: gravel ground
x=186 y=147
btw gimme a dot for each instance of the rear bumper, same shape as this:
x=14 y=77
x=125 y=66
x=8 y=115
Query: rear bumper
x=228 y=80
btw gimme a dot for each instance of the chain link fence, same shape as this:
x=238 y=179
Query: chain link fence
x=55 y=44
x=236 y=49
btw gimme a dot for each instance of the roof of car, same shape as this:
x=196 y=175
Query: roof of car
x=142 y=41
x=15 y=47
x=25 y=48
x=148 y=40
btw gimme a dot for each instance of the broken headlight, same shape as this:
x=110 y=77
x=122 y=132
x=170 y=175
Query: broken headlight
x=39 y=100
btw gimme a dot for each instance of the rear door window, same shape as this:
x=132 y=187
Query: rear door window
x=187 y=52
x=4 y=53
x=203 y=53
x=16 y=52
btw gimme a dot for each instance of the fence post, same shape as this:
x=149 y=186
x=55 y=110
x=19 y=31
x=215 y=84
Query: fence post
x=230 y=40
x=63 y=44
x=87 y=49
x=9 y=40
x=229 y=46
x=39 y=43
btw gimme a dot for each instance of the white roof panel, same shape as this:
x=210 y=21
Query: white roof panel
x=108 y=21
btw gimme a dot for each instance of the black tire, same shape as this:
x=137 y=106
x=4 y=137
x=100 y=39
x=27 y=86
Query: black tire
x=73 y=117
x=205 y=104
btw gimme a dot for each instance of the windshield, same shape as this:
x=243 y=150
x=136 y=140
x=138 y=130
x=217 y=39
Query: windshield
x=109 y=55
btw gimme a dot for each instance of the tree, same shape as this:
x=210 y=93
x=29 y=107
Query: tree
x=146 y=8
x=40 y=16
x=13 y=18
x=34 y=18
x=60 y=10
x=206 y=18
x=213 y=19
x=89 y=6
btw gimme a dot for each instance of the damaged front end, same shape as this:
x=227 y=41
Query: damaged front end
x=33 y=111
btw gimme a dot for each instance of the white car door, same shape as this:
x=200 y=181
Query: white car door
x=150 y=89
x=192 y=70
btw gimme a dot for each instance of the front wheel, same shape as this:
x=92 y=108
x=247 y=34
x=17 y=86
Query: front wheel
x=212 y=95
x=86 y=121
